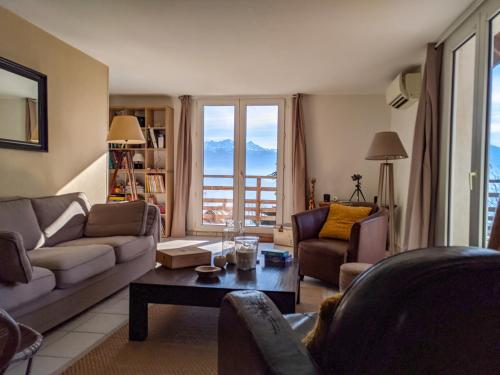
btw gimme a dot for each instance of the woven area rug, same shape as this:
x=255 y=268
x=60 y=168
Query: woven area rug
x=174 y=346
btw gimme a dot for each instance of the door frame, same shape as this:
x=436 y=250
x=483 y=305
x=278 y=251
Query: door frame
x=239 y=104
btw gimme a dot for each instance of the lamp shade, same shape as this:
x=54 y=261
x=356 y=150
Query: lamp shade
x=125 y=129
x=386 y=146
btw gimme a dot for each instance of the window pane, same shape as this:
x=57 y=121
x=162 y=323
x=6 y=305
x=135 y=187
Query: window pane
x=261 y=165
x=218 y=164
x=461 y=142
x=494 y=126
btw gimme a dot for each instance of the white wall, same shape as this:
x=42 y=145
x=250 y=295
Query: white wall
x=339 y=131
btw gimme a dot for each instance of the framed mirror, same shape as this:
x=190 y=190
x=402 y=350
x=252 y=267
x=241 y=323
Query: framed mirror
x=23 y=107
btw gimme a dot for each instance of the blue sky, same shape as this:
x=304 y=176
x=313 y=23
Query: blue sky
x=495 y=107
x=261 y=124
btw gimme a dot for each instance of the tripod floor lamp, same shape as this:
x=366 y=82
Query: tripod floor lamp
x=125 y=130
x=387 y=146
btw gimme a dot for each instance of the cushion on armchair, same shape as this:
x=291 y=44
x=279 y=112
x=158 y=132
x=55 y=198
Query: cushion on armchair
x=341 y=219
x=316 y=340
x=120 y=219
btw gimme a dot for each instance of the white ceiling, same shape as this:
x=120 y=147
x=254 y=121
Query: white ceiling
x=246 y=47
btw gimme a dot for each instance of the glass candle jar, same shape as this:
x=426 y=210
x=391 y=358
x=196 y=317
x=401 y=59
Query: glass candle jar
x=247 y=248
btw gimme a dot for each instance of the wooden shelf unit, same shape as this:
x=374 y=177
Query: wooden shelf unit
x=158 y=161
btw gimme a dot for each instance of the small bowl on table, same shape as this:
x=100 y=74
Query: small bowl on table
x=207 y=273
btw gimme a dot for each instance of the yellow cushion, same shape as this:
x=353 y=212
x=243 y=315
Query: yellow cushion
x=340 y=220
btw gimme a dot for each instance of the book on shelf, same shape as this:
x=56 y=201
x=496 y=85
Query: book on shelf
x=155 y=184
x=153 y=138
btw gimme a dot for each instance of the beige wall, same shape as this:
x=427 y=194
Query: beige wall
x=339 y=130
x=403 y=122
x=77 y=116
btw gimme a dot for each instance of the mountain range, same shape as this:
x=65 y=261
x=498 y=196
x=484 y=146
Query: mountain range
x=219 y=154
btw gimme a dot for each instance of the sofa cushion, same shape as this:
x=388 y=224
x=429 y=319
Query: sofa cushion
x=62 y=217
x=124 y=219
x=15 y=266
x=17 y=215
x=13 y=295
x=126 y=247
x=320 y=246
x=73 y=264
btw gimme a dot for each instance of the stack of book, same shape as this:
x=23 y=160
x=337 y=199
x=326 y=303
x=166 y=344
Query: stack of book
x=155 y=184
x=277 y=258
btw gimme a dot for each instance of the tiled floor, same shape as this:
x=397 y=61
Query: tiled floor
x=67 y=343
x=70 y=341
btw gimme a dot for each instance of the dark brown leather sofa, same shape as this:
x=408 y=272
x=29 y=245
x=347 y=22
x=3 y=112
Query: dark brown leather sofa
x=59 y=256
x=321 y=258
x=430 y=311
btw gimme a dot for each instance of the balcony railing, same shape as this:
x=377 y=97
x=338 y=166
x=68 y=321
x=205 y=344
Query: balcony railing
x=260 y=200
x=493 y=196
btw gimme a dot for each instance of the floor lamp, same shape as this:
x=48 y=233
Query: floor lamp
x=387 y=146
x=125 y=130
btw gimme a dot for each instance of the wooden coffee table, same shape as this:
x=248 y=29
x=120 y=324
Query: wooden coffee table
x=182 y=287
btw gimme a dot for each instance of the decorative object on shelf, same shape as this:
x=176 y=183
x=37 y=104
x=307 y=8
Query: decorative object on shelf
x=311 y=204
x=326 y=197
x=138 y=160
x=220 y=261
x=357 y=191
x=247 y=248
x=387 y=146
x=125 y=130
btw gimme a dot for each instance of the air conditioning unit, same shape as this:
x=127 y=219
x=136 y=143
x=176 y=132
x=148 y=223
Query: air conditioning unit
x=404 y=90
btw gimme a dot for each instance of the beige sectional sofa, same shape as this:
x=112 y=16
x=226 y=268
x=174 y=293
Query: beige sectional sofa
x=59 y=256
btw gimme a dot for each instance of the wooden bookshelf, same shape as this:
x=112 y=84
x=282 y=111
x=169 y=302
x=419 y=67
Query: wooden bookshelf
x=154 y=161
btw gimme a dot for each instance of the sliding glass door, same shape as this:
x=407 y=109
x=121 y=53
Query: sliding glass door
x=242 y=163
x=471 y=126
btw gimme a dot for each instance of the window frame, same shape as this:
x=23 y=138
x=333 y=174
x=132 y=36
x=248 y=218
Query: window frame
x=240 y=104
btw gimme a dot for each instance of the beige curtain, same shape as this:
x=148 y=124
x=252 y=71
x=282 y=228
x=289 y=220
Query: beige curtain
x=422 y=194
x=299 y=166
x=31 y=121
x=182 y=176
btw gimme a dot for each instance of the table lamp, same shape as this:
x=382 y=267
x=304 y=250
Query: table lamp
x=125 y=130
x=387 y=146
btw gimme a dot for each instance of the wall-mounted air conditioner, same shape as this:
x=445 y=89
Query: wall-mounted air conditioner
x=404 y=90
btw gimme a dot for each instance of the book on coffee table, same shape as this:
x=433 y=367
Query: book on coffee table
x=184 y=257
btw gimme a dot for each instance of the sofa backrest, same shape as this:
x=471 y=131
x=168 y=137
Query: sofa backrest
x=17 y=215
x=61 y=217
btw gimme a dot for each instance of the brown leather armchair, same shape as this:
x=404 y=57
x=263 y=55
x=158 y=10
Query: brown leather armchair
x=430 y=311
x=321 y=258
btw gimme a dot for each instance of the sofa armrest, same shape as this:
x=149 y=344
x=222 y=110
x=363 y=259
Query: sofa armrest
x=14 y=263
x=254 y=338
x=368 y=240
x=153 y=223
x=307 y=225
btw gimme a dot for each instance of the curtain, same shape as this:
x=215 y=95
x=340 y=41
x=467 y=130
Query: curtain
x=299 y=167
x=31 y=121
x=422 y=192
x=182 y=178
